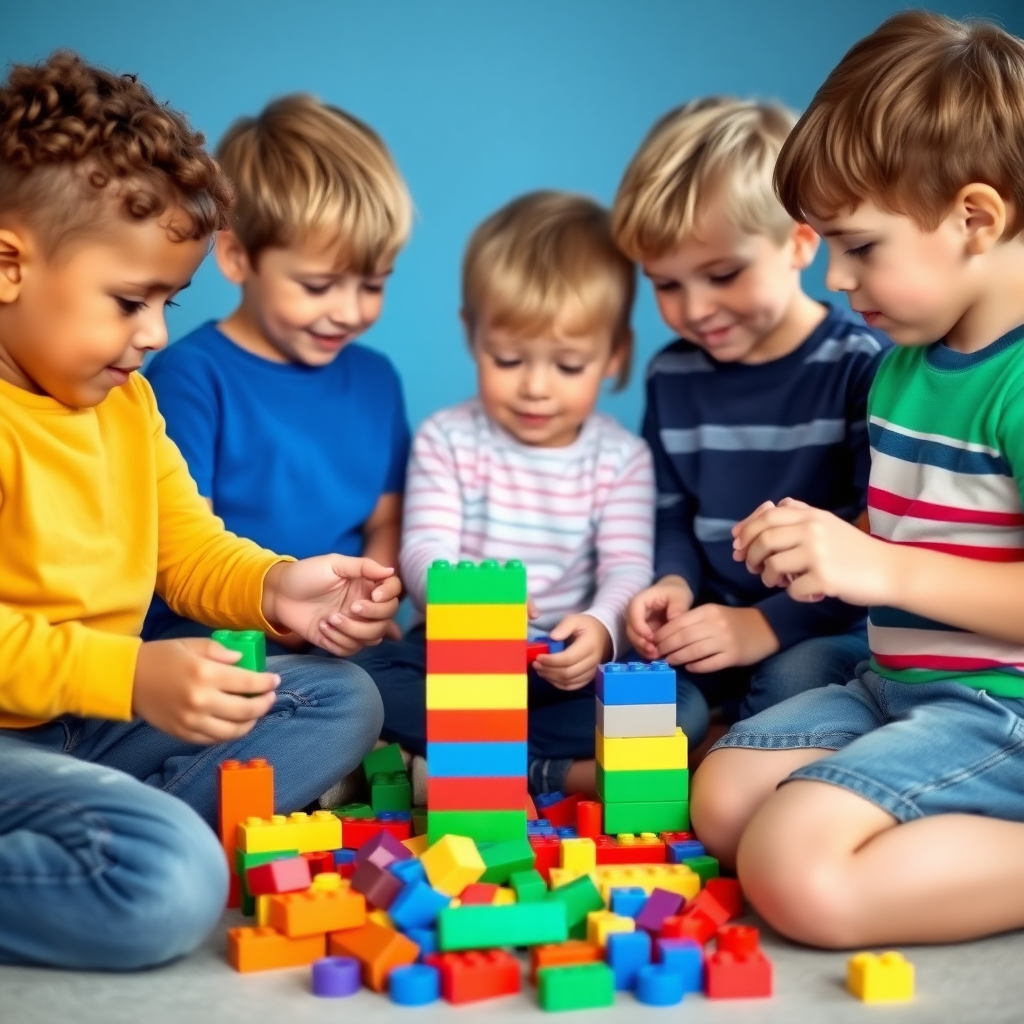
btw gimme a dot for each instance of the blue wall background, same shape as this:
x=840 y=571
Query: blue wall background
x=478 y=99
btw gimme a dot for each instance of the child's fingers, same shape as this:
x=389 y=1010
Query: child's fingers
x=367 y=568
x=231 y=680
x=335 y=642
x=748 y=535
x=636 y=617
x=212 y=650
x=695 y=653
x=714 y=663
x=775 y=541
x=231 y=708
x=372 y=610
x=763 y=507
x=389 y=590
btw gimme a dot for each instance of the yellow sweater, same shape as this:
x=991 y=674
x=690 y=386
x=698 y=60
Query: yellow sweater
x=97 y=509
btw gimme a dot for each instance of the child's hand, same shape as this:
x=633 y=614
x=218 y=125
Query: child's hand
x=652 y=609
x=340 y=604
x=190 y=688
x=814 y=554
x=577 y=664
x=713 y=636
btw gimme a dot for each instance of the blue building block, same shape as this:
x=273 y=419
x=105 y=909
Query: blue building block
x=544 y=800
x=394 y=816
x=409 y=871
x=554 y=646
x=658 y=985
x=414 y=985
x=628 y=901
x=686 y=958
x=476 y=760
x=566 y=832
x=678 y=852
x=636 y=683
x=425 y=938
x=417 y=906
x=627 y=953
x=540 y=827
x=343 y=857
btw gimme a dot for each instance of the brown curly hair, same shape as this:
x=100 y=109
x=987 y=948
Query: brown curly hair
x=71 y=132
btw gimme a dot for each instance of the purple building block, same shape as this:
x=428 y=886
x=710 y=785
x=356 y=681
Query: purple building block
x=660 y=904
x=377 y=884
x=335 y=976
x=383 y=850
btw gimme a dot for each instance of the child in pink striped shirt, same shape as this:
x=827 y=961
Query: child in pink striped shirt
x=529 y=470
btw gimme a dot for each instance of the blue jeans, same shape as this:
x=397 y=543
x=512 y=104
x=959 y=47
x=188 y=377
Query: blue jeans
x=107 y=860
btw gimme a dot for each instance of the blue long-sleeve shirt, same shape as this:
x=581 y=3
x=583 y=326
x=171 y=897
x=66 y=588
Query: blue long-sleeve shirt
x=728 y=436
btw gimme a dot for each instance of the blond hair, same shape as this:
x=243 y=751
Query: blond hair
x=713 y=146
x=303 y=167
x=912 y=113
x=541 y=252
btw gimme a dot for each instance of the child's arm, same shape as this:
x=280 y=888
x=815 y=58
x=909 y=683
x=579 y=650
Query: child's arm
x=382 y=532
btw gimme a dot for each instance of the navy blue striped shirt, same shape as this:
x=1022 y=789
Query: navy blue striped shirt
x=728 y=436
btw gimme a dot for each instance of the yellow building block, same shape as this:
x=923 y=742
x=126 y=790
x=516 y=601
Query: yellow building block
x=452 y=863
x=563 y=876
x=644 y=753
x=885 y=978
x=263 y=911
x=417 y=845
x=503 y=897
x=579 y=855
x=330 y=881
x=644 y=839
x=601 y=924
x=677 y=878
x=477 y=622
x=475 y=692
x=307 y=833
x=380 y=917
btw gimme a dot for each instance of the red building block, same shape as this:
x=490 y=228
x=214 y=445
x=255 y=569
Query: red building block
x=535 y=648
x=470 y=977
x=319 y=863
x=504 y=725
x=564 y=812
x=531 y=809
x=356 y=831
x=243 y=790
x=732 y=977
x=476 y=657
x=726 y=891
x=292 y=875
x=501 y=793
x=548 y=852
x=675 y=837
x=478 y=892
x=699 y=920
x=739 y=939
x=588 y=819
x=611 y=851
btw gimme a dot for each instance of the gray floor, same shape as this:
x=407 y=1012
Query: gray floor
x=979 y=982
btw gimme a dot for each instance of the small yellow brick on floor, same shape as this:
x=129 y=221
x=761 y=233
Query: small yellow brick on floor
x=880 y=978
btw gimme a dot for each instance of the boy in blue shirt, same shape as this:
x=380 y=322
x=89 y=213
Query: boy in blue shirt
x=764 y=395
x=297 y=436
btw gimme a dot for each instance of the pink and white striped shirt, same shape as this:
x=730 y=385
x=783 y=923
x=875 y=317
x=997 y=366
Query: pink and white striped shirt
x=581 y=518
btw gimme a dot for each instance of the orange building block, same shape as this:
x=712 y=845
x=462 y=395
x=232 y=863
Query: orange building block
x=242 y=790
x=263 y=949
x=316 y=912
x=379 y=951
x=562 y=954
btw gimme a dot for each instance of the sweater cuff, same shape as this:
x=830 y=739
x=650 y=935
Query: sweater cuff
x=106 y=677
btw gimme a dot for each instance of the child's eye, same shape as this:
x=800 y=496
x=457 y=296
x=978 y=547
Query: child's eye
x=506 y=363
x=571 y=371
x=373 y=287
x=665 y=286
x=860 y=251
x=721 y=279
x=316 y=289
x=129 y=306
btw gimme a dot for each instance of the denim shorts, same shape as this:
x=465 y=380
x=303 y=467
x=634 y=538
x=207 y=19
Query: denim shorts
x=913 y=749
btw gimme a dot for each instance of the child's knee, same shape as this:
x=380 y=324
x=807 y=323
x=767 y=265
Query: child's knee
x=720 y=805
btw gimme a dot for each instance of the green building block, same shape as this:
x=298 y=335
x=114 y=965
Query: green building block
x=577 y=987
x=244 y=861
x=512 y=924
x=706 y=867
x=469 y=583
x=251 y=642
x=386 y=759
x=667 y=816
x=482 y=826
x=580 y=897
x=502 y=859
x=626 y=787
x=353 y=811
x=529 y=886
x=390 y=791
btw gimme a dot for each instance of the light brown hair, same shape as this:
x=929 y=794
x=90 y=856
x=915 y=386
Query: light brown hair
x=537 y=254
x=714 y=146
x=912 y=113
x=76 y=139
x=302 y=166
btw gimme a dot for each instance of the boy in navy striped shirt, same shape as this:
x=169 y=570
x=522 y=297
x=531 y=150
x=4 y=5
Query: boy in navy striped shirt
x=763 y=396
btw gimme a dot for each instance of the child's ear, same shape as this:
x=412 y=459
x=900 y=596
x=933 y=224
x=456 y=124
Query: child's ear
x=805 y=241
x=232 y=257
x=981 y=212
x=12 y=259
x=617 y=362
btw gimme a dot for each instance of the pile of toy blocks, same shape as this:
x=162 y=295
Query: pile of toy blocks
x=476 y=701
x=642 y=775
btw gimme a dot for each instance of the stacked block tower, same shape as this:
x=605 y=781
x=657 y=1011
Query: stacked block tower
x=642 y=775
x=476 y=701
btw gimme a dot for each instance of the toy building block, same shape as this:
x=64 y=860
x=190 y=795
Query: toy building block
x=628 y=952
x=356 y=832
x=738 y=939
x=381 y=918
x=319 y=862
x=706 y=867
x=473 y=976
x=579 y=855
x=476 y=657
x=656 y=785
x=384 y=760
x=264 y=949
x=467 y=583
x=673 y=877
x=504 y=897
x=307 y=833
x=452 y=863
x=738 y=977
x=880 y=978
x=475 y=692
x=476 y=794
x=390 y=791
x=417 y=906
x=476 y=760
x=602 y=923
x=243 y=791
x=651 y=754
x=629 y=849
x=517 y=924
x=580 y=898
x=408 y=871
x=297 y=914
x=459 y=725
x=382 y=849
x=262 y=911
x=528 y=886
x=547 y=852
x=646 y=817
x=484 y=826
x=425 y=938
x=335 y=976
x=478 y=894
x=378 y=949
x=588 y=819
x=635 y=721
x=477 y=622
x=251 y=643
x=659 y=985
x=686 y=850
x=700 y=919
x=626 y=901
x=562 y=954
x=417 y=846
x=728 y=893
x=278 y=876
x=414 y=985
x=352 y=811
x=329 y=881
x=562 y=811
x=578 y=987
x=686 y=958
x=502 y=860
x=636 y=683
x=377 y=884
x=660 y=904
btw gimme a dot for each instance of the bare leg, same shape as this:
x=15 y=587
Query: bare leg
x=829 y=868
x=582 y=778
x=731 y=785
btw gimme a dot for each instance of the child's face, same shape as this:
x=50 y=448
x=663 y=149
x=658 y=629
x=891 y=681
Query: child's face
x=908 y=282
x=541 y=389
x=301 y=306
x=77 y=324
x=727 y=291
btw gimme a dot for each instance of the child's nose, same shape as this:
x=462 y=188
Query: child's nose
x=699 y=304
x=535 y=381
x=838 y=279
